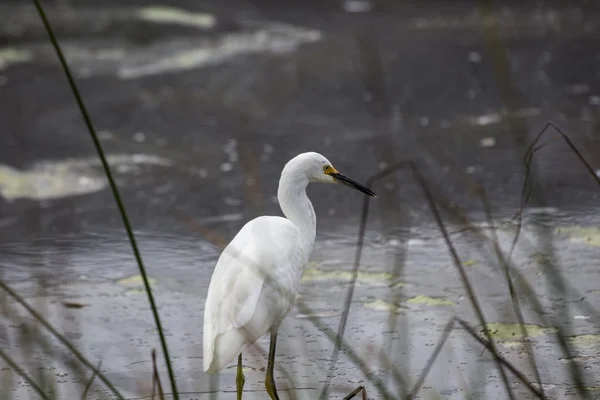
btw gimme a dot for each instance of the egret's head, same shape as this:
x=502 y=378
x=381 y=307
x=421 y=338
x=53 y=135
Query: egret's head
x=319 y=169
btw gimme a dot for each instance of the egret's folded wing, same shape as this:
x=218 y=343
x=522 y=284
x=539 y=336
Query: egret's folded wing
x=232 y=317
x=235 y=286
x=246 y=289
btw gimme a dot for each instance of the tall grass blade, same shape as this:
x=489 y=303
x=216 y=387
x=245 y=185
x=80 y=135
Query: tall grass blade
x=504 y=362
x=115 y=192
x=89 y=384
x=61 y=338
x=438 y=348
x=422 y=182
x=558 y=283
x=156 y=378
x=12 y=364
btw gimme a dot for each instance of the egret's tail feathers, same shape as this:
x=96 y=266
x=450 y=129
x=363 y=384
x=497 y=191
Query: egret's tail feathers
x=226 y=348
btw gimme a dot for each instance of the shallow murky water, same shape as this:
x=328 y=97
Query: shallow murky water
x=198 y=107
x=397 y=315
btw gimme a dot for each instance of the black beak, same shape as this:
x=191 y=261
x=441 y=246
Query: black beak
x=344 y=180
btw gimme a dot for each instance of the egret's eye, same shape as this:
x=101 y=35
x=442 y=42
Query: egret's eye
x=326 y=168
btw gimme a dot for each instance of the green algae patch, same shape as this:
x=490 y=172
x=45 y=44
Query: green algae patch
x=47 y=180
x=381 y=305
x=590 y=388
x=589 y=340
x=588 y=235
x=53 y=181
x=545 y=386
x=321 y=314
x=244 y=368
x=171 y=15
x=315 y=274
x=575 y=390
x=136 y=291
x=540 y=258
x=135 y=280
x=512 y=331
x=430 y=301
x=512 y=344
x=578 y=359
x=10 y=55
x=470 y=263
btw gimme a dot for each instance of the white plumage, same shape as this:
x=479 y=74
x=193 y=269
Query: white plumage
x=255 y=281
x=241 y=306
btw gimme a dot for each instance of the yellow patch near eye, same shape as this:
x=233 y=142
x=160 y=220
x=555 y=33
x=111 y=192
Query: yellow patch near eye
x=328 y=169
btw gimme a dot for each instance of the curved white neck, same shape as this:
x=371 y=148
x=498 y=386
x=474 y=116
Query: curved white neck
x=296 y=205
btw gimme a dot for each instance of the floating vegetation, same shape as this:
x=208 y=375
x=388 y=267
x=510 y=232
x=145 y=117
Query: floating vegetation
x=588 y=340
x=588 y=235
x=10 y=55
x=166 y=15
x=382 y=305
x=135 y=280
x=512 y=331
x=315 y=274
x=430 y=301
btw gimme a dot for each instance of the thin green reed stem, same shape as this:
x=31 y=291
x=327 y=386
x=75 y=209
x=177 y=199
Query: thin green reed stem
x=61 y=338
x=11 y=363
x=115 y=192
x=89 y=384
x=348 y=350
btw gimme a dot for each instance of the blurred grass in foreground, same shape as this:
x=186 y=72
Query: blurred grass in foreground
x=34 y=339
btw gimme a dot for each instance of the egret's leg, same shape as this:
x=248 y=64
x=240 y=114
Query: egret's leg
x=239 y=379
x=269 y=381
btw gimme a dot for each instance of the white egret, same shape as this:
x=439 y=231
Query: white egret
x=255 y=281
